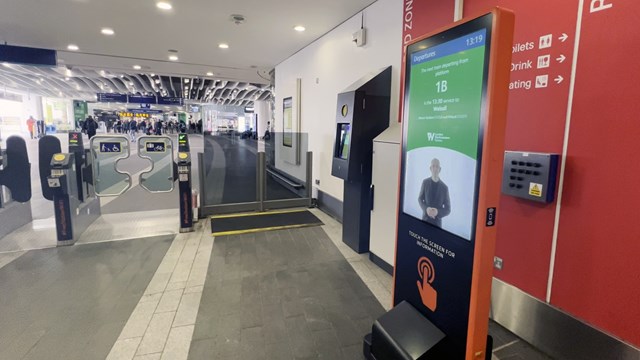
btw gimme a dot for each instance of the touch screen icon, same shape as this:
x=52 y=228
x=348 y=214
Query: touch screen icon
x=427 y=273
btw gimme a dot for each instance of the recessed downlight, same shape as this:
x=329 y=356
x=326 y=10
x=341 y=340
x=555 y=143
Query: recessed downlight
x=299 y=28
x=164 y=5
x=137 y=67
x=223 y=46
x=173 y=55
x=73 y=47
x=209 y=73
x=107 y=31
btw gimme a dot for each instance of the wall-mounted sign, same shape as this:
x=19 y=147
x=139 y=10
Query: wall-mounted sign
x=287 y=120
x=155 y=146
x=112 y=97
x=170 y=101
x=142 y=99
x=110 y=147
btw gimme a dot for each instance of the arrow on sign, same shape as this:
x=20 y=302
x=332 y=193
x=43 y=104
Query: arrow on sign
x=564 y=37
x=559 y=79
x=561 y=59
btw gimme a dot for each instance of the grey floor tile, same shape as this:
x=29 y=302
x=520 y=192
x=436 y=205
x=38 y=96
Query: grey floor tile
x=78 y=298
x=353 y=352
x=278 y=350
x=520 y=350
x=201 y=349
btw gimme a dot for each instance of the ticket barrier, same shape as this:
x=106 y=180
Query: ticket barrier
x=15 y=186
x=184 y=185
x=64 y=183
x=108 y=151
x=5 y=194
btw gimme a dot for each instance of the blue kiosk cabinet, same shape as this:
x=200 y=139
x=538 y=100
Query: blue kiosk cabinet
x=362 y=113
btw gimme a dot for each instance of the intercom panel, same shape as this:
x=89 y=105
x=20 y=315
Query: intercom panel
x=530 y=176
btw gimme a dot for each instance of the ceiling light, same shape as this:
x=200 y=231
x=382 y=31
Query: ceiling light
x=209 y=73
x=186 y=81
x=107 y=31
x=299 y=28
x=152 y=74
x=164 y=5
x=157 y=81
x=137 y=67
x=223 y=46
x=173 y=57
x=73 y=47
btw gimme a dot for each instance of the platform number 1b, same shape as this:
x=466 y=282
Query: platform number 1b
x=442 y=86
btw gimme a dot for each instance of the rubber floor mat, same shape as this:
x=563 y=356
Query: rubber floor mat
x=256 y=222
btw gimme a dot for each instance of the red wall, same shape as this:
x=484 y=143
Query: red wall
x=596 y=276
x=535 y=122
x=420 y=17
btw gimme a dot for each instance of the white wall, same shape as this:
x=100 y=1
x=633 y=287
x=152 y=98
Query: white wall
x=263 y=110
x=327 y=67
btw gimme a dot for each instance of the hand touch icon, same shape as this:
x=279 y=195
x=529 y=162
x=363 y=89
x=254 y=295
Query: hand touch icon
x=427 y=274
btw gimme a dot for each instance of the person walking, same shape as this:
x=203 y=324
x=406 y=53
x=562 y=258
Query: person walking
x=31 y=124
x=133 y=129
x=91 y=126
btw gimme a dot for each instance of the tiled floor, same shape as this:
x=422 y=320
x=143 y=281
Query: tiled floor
x=285 y=294
x=161 y=326
x=267 y=295
x=71 y=302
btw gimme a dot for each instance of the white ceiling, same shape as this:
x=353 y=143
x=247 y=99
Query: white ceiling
x=144 y=33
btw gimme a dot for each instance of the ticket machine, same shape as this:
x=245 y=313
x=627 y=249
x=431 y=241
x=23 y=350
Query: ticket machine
x=362 y=113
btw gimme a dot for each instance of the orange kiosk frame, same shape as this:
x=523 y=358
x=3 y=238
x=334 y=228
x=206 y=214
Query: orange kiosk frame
x=454 y=117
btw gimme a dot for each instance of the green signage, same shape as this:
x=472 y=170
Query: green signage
x=80 y=109
x=442 y=132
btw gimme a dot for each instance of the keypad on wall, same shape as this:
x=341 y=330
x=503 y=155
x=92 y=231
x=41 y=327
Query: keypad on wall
x=530 y=176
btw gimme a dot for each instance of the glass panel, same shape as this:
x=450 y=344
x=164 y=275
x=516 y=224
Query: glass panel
x=230 y=162
x=286 y=166
x=158 y=149
x=106 y=151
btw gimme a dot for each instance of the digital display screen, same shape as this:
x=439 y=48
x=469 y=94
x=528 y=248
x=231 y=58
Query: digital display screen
x=344 y=136
x=442 y=122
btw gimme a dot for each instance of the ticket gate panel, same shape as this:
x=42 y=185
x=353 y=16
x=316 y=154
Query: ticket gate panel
x=159 y=150
x=16 y=175
x=106 y=152
x=47 y=147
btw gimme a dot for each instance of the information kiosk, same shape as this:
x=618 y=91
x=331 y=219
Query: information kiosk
x=362 y=114
x=454 y=115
